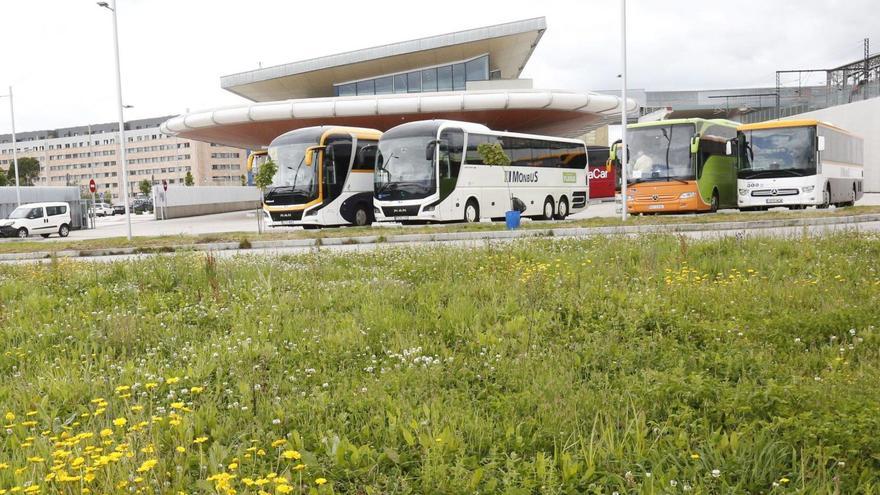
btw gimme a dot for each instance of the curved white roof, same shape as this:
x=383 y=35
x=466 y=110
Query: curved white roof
x=538 y=111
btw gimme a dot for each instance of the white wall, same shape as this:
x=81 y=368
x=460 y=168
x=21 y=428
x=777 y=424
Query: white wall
x=861 y=118
x=186 y=196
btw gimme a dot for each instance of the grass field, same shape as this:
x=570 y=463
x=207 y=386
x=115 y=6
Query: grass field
x=153 y=243
x=649 y=365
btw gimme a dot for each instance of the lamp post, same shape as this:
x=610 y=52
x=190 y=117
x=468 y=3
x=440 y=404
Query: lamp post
x=14 y=152
x=623 y=157
x=112 y=8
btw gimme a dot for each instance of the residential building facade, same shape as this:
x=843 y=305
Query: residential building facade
x=73 y=156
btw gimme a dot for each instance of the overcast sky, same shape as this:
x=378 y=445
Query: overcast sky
x=58 y=54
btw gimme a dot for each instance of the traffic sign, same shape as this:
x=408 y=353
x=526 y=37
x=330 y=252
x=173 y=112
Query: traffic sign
x=164 y=185
x=92 y=186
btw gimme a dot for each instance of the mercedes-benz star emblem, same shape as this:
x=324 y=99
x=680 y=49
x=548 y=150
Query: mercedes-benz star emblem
x=773 y=191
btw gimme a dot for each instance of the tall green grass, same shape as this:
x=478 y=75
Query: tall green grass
x=629 y=365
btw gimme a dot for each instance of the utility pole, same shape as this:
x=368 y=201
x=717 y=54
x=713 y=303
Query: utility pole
x=623 y=109
x=14 y=152
x=865 y=76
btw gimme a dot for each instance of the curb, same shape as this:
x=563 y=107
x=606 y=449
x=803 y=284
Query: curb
x=452 y=236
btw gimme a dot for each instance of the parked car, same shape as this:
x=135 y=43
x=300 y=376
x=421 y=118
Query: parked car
x=103 y=210
x=119 y=209
x=142 y=205
x=44 y=219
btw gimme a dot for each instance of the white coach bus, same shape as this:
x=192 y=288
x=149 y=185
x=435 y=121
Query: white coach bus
x=446 y=171
x=324 y=177
x=797 y=163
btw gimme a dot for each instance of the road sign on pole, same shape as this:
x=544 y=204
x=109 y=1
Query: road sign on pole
x=164 y=185
x=92 y=186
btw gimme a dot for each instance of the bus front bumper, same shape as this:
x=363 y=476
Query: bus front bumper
x=675 y=204
x=410 y=213
x=749 y=201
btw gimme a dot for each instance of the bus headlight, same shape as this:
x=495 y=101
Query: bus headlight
x=687 y=195
x=376 y=209
x=311 y=213
x=743 y=192
x=428 y=208
x=808 y=189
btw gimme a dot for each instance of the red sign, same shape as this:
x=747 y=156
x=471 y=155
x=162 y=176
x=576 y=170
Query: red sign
x=164 y=185
x=92 y=186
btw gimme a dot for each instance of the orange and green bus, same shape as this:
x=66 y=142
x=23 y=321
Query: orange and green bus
x=680 y=165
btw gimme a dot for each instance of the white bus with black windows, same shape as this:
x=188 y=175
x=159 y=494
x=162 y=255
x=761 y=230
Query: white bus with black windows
x=448 y=171
x=797 y=163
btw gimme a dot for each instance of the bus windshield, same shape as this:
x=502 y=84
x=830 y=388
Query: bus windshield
x=294 y=181
x=402 y=169
x=784 y=152
x=660 y=152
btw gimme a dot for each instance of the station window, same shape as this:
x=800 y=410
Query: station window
x=444 y=78
x=458 y=77
x=414 y=82
x=384 y=85
x=429 y=80
x=366 y=87
x=400 y=83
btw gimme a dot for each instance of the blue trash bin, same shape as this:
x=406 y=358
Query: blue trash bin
x=512 y=219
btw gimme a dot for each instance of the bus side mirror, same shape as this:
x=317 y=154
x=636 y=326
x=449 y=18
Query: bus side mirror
x=728 y=148
x=820 y=143
x=429 y=149
x=695 y=143
x=310 y=155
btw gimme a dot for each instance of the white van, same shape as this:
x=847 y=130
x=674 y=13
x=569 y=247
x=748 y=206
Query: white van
x=44 y=219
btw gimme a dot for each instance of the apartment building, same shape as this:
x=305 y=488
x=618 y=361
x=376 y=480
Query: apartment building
x=75 y=155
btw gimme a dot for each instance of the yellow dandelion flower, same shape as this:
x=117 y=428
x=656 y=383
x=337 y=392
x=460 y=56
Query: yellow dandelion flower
x=784 y=480
x=180 y=449
x=177 y=405
x=299 y=467
x=120 y=422
x=137 y=408
x=695 y=456
x=282 y=488
x=150 y=385
x=147 y=465
x=200 y=440
x=320 y=481
x=291 y=455
x=171 y=380
x=10 y=416
x=3 y=465
x=279 y=442
x=196 y=390
x=36 y=460
x=106 y=432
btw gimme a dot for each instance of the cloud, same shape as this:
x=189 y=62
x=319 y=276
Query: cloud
x=174 y=51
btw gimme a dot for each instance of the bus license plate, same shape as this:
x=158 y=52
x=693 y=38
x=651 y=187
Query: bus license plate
x=656 y=207
x=774 y=200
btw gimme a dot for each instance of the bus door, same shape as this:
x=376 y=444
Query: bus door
x=337 y=160
x=600 y=172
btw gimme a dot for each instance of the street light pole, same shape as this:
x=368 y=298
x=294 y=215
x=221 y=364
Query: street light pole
x=14 y=152
x=121 y=118
x=623 y=157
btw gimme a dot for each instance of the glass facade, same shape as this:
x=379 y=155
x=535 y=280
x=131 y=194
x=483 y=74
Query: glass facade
x=452 y=77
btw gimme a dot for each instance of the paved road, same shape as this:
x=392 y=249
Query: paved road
x=779 y=232
x=245 y=221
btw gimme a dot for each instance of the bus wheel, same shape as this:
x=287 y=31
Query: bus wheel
x=362 y=216
x=548 y=209
x=562 y=209
x=472 y=211
x=713 y=206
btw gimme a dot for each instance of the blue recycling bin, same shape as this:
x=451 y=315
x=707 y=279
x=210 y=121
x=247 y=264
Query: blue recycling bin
x=512 y=218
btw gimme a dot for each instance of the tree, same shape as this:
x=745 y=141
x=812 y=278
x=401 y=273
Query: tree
x=188 y=179
x=493 y=154
x=28 y=171
x=146 y=187
x=3 y=180
x=243 y=180
x=263 y=179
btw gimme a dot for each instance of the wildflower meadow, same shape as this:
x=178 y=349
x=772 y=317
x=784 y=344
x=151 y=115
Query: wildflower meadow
x=649 y=364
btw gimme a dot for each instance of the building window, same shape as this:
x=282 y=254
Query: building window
x=400 y=83
x=366 y=88
x=429 y=80
x=458 y=77
x=347 y=90
x=444 y=78
x=477 y=69
x=414 y=82
x=384 y=85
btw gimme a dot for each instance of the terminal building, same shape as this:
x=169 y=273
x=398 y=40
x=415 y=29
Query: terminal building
x=471 y=75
